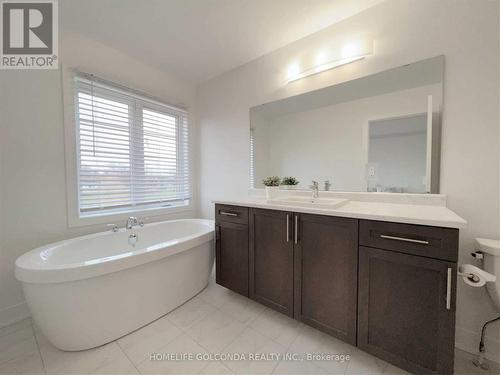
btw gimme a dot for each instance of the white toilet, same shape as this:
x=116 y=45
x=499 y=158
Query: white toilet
x=489 y=252
x=491 y=264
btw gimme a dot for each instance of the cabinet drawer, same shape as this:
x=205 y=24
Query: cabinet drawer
x=432 y=242
x=232 y=214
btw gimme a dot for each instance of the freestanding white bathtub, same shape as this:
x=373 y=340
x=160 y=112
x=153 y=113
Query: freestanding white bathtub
x=90 y=290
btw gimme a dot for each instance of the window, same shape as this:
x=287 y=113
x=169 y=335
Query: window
x=252 y=159
x=132 y=152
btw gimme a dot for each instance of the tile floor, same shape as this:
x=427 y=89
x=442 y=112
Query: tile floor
x=215 y=321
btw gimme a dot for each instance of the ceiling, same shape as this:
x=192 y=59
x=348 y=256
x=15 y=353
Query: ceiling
x=200 y=39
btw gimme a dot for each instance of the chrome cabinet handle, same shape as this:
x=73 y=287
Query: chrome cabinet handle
x=448 y=289
x=404 y=239
x=227 y=213
x=287 y=228
x=296 y=229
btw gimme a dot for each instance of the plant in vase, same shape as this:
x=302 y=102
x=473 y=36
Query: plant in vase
x=272 y=185
x=289 y=182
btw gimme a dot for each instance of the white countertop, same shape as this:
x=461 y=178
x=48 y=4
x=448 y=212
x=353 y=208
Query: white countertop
x=423 y=214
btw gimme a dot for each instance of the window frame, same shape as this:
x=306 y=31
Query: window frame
x=72 y=155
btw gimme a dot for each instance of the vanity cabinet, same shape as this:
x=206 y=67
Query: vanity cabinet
x=271 y=259
x=326 y=262
x=305 y=266
x=388 y=288
x=407 y=310
x=406 y=295
x=231 y=248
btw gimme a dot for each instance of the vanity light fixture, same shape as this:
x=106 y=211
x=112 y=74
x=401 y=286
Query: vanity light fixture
x=324 y=67
x=349 y=52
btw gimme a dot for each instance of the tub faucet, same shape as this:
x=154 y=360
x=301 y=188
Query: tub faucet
x=133 y=221
x=315 y=189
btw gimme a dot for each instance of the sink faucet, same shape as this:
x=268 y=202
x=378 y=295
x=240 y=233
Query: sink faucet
x=133 y=221
x=315 y=189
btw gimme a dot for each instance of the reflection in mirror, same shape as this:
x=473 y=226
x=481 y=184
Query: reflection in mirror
x=376 y=133
x=405 y=137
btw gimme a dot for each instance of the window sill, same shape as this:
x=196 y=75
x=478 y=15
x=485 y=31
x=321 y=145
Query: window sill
x=116 y=218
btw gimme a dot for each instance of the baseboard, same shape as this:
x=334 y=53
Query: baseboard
x=468 y=341
x=14 y=314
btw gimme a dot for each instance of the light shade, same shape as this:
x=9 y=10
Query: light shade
x=348 y=52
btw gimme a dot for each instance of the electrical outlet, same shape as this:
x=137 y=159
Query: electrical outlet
x=371 y=171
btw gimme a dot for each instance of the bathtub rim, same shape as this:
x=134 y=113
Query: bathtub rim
x=27 y=271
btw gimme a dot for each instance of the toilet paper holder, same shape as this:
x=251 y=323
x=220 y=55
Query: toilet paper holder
x=475 y=276
x=470 y=276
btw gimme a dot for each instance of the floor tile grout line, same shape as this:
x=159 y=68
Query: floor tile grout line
x=239 y=335
x=223 y=364
x=246 y=325
x=159 y=350
x=382 y=368
x=276 y=366
x=184 y=329
x=11 y=325
x=126 y=355
x=287 y=348
x=38 y=346
x=312 y=363
x=235 y=338
x=250 y=321
x=3 y=361
x=204 y=367
x=231 y=294
x=290 y=345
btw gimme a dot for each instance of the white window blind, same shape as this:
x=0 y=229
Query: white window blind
x=132 y=151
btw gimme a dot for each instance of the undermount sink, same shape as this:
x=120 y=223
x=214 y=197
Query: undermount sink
x=309 y=202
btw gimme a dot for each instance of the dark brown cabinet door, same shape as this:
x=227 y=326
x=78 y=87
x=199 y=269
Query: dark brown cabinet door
x=406 y=310
x=231 y=265
x=326 y=262
x=271 y=259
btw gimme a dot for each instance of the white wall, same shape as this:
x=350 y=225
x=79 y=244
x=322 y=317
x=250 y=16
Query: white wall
x=32 y=155
x=466 y=32
x=331 y=143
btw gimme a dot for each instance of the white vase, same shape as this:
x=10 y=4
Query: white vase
x=272 y=192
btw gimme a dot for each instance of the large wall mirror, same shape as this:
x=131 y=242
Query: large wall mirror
x=376 y=133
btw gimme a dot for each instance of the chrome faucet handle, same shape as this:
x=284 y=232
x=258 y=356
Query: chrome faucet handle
x=141 y=221
x=114 y=227
x=131 y=221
